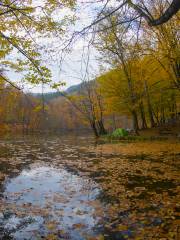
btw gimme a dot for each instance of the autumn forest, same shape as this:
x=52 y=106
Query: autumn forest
x=89 y=119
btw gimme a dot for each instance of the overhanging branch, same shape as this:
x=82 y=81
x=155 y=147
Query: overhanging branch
x=12 y=84
x=166 y=16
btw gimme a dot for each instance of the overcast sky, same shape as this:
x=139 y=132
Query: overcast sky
x=73 y=69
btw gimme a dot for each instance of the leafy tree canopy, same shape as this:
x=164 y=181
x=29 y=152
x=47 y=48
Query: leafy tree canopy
x=26 y=26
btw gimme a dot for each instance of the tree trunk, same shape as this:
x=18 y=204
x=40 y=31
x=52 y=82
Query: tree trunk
x=143 y=117
x=94 y=128
x=150 y=111
x=156 y=115
x=173 y=107
x=114 y=121
x=162 y=120
x=102 y=130
x=135 y=121
x=176 y=70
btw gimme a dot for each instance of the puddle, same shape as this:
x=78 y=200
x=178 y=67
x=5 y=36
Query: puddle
x=44 y=200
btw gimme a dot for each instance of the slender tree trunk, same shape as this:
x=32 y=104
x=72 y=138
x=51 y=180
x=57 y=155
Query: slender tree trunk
x=143 y=117
x=135 y=121
x=162 y=117
x=102 y=130
x=94 y=128
x=114 y=121
x=156 y=115
x=150 y=110
x=173 y=107
x=23 y=124
x=176 y=70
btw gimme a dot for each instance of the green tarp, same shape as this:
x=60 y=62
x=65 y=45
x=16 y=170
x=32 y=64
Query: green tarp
x=120 y=132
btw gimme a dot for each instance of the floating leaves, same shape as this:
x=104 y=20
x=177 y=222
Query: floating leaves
x=112 y=191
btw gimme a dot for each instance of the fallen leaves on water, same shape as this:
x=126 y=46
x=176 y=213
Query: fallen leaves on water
x=138 y=183
x=78 y=225
x=51 y=237
x=51 y=226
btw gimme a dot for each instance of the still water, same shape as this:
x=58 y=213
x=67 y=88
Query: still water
x=54 y=187
x=40 y=197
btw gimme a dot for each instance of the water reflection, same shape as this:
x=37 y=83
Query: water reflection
x=44 y=200
x=46 y=191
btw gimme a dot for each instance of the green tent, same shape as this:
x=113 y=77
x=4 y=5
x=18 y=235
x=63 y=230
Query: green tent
x=120 y=132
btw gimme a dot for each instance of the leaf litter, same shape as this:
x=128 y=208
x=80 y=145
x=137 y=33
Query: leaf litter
x=57 y=189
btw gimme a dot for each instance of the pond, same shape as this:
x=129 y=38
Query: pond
x=40 y=197
x=71 y=188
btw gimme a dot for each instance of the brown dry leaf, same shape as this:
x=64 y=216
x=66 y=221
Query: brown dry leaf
x=122 y=228
x=51 y=226
x=79 y=225
x=2 y=176
x=100 y=237
x=51 y=237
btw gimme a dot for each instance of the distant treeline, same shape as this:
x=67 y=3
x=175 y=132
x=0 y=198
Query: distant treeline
x=95 y=105
x=28 y=112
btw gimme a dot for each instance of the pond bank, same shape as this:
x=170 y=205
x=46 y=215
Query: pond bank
x=163 y=133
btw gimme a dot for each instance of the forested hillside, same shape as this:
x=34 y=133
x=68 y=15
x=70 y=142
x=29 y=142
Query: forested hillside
x=102 y=105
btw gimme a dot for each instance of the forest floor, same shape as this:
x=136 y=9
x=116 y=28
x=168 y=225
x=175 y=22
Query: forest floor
x=164 y=131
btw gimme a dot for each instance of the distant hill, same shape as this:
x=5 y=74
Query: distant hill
x=73 y=89
x=47 y=96
x=52 y=95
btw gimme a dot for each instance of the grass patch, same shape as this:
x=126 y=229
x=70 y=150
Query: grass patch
x=131 y=138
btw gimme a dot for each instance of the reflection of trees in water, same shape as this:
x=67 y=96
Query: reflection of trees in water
x=139 y=188
x=6 y=233
x=25 y=155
